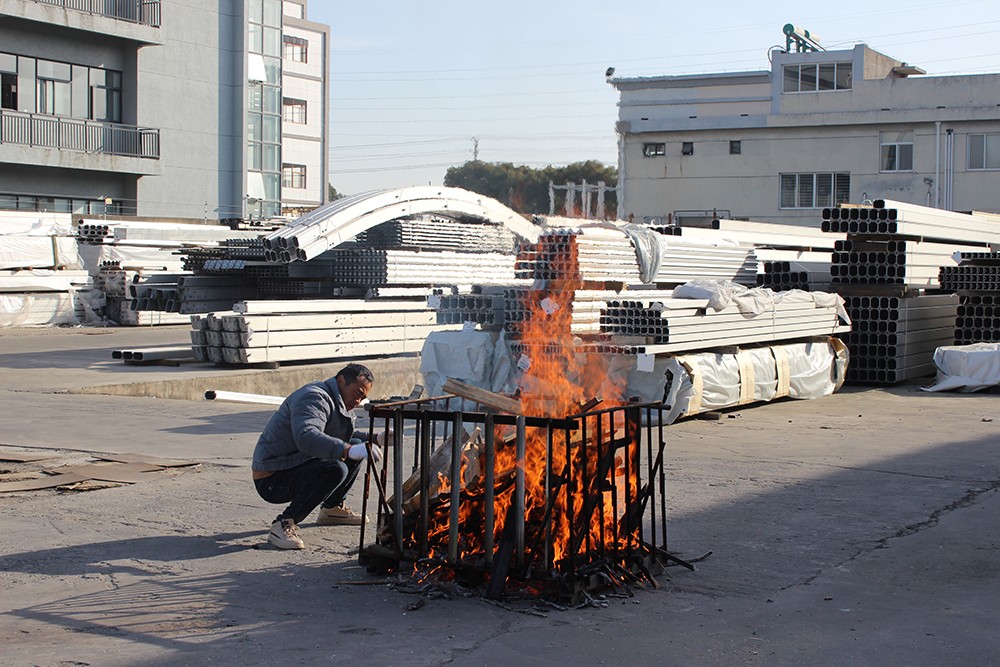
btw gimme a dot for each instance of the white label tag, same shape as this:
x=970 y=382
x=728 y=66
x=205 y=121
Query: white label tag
x=644 y=362
x=468 y=326
x=434 y=301
x=548 y=305
x=524 y=363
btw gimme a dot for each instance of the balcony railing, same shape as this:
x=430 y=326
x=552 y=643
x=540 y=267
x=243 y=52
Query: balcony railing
x=74 y=134
x=146 y=12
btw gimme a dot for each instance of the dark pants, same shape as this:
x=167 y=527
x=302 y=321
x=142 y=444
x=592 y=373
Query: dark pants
x=307 y=485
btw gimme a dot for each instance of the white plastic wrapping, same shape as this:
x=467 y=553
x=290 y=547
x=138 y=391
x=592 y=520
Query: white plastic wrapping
x=479 y=358
x=966 y=368
x=38 y=309
x=707 y=381
x=37 y=240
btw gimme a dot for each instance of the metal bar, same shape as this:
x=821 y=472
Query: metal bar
x=425 y=481
x=549 y=501
x=519 y=493
x=397 y=471
x=456 y=487
x=489 y=500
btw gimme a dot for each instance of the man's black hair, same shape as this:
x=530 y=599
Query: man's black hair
x=352 y=372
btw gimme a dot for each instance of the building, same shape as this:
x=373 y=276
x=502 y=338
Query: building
x=818 y=129
x=162 y=108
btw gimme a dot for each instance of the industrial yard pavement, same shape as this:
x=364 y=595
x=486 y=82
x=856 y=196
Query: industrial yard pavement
x=857 y=529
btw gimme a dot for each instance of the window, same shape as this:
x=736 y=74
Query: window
x=816 y=77
x=687 y=148
x=105 y=95
x=8 y=81
x=896 y=151
x=653 y=150
x=293 y=111
x=735 y=147
x=293 y=175
x=814 y=190
x=984 y=151
x=295 y=49
x=62 y=89
x=52 y=84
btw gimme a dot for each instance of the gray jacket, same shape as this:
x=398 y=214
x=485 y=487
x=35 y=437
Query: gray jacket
x=312 y=423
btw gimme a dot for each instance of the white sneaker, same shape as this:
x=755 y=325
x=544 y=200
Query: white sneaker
x=337 y=516
x=285 y=535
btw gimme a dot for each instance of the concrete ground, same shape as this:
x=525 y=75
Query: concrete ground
x=858 y=529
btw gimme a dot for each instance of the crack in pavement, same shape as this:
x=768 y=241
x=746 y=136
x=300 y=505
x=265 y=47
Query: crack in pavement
x=932 y=520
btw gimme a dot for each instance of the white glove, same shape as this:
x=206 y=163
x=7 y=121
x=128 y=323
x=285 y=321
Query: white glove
x=383 y=438
x=359 y=452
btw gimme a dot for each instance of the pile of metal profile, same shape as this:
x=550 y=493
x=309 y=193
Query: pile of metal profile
x=978 y=319
x=977 y=281
x=371 y=267
x=862 y=260
x=331 y=225
x=43 y=297
x=152 y=233
x=762 y=235
x=602 y=254
x=189 y=294
x=975 y=272
x=893 y=338
x=901 y=220
x=271 y=331
x=117 y=285
x=662 y=324
x=784 y=275
x=154 y=354
x=435 y=233
x=887 y=269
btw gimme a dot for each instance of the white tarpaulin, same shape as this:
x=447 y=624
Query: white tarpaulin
x=706 y=381
x=479 y=358
x=966 y=367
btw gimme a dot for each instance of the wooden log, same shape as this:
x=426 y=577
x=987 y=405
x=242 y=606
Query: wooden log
x=482 y=396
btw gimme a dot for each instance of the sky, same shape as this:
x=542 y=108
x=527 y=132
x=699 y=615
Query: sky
x=417 y=87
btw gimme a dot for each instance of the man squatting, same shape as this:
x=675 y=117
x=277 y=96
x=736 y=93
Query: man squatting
x=309 y=454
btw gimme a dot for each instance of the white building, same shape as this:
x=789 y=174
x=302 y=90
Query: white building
x=819 y=128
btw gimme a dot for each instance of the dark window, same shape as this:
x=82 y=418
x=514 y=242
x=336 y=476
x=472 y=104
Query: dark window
x=653 y=150
x=687 y=148
x=984 y=151
x=296 y=49
x=293 y=175
x=896 y=151
x=8 y=90
x=735 y=147
x=293 y=111
x=816 y=77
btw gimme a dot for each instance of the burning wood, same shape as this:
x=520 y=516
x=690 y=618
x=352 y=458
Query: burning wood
x=555 y=492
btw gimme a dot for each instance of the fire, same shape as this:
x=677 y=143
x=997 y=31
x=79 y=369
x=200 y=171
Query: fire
x=576 y=486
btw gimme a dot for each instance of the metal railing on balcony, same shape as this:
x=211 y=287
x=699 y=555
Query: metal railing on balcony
x=146 y=12
x=74 y=134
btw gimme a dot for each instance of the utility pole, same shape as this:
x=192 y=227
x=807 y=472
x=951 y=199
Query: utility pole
x=475 y=149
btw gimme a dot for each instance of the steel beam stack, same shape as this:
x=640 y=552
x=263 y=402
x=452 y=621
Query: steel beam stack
x=863 y=260
x=188 y=294
x=894 y=338
x=276 y=331
x=784 y=275
x=438 y=234
x=977 y=281
x=890 y=271
x=901 y=220
x=598 y=254
x=370 y=267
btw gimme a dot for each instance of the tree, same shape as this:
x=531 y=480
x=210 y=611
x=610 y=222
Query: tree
x=526 y=190
x=332 y=193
